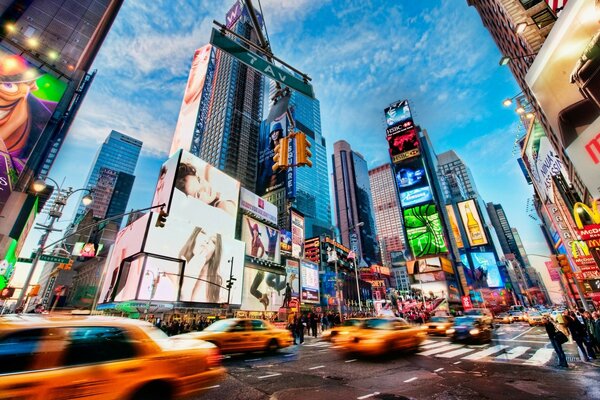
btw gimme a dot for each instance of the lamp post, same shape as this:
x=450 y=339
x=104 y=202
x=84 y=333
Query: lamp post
x=55 y=213
x=155 y=281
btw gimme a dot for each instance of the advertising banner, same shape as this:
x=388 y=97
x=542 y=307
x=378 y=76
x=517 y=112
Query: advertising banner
x=424 y=230
x=195 y=99
x=410 y=175
x=160 y=278
x=6 y=180
x=166 y=182
x=403 y=145
x=398 y=115
x=82 y=249
x=270 y=135
x=258 y=206
x=454 y=226
x=312 y=250
x=285 y=242
x=584 y=153
x=28 y=98
x=553 y=271
x=292 y=269
x=297 y=225
x=263 y=290
x=471 y=220
x=486 y=269
x=309 y=280
x=262 y=241
x=416 y=196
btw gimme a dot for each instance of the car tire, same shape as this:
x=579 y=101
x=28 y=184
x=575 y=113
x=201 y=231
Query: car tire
x=272 y=346
x=154 y=391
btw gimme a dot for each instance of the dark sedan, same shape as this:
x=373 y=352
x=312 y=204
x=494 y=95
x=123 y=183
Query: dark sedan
x=470 y=329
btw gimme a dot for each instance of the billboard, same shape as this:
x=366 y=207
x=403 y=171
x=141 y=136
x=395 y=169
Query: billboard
x=262 y=241
x=297 y=224
x=403 y=145
x=416 y=196
x=258 y=206
x=292 y=270
x=166 y=182
x=270 y=134
x=204 y=196
x=454 y=226
x=471 y=220
x=398 y=114
x=552 y=271
x=28 y=98
x=82 y=249
x=424 y=230
x=262 y=290
x=309 y=280
x=486 y=269
x=7 y=178
x=285 y=238
x=147 y=277
x=410 y=175
x=195 y=99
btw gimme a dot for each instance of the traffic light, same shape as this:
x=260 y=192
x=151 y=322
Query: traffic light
x=162 y=218
x=303 y=152
x=280 y=158
x=230 y=282
x=563 y=263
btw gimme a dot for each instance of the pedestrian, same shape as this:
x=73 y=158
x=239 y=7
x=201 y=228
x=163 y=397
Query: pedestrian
x=596 y=328
x=313 y=324
x=293 y=327
x=557 y=338
x=324 y=323
x=300 y=327
x=577 y=331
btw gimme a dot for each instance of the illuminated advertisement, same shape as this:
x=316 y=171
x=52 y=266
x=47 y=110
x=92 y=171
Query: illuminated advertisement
x=158 y=279
x=285 y=242
x=292 y=269
x=166 y=182
x=7 y=265
x=410 y=174
x=28 y=98
x=263 y=290
x=486 y=269
x=398 y=114
x=7 y=180
x=261 y=241
x=195 y=99
x=454 y=226
x=208 y=256
x=416 y=196
x=552 y=271
x=424 y=230
x=423 y=266
x=471 y=220
x=297 y=225
x=257 y=205
x=204 y=196
x=82 y=249
x=309 y=280
x=129 y=242
x=270 y=135
x=403 y=145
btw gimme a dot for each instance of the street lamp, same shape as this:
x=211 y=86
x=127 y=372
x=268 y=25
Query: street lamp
x=504 y=60
x=508 y=101
x=55 y=213
x=521 y=26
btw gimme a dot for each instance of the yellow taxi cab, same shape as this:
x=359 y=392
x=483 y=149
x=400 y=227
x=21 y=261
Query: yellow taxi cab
x=342 y=330
x=234 y=335
x=67 y=357
x=438 y=325
x=380 y=336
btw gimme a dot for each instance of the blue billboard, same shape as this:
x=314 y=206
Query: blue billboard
x=486 y=268
x=416 y=196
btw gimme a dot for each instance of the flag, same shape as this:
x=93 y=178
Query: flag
x=556 y=5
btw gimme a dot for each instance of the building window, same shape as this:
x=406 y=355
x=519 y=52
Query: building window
x=527 y=4
x=543 y=18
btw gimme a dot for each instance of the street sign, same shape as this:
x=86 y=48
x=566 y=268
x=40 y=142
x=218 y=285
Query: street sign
x=25 y=260
x=255 y=61
x=55 y=259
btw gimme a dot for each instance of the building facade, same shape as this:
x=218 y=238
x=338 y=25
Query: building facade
x=388 y=215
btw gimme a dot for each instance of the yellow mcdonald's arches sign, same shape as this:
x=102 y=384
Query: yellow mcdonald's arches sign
x=579 y=249
x=580 y=208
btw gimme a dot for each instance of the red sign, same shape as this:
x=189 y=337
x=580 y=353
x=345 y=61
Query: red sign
x=553 y=271
x=466 y=302
x=589 y=232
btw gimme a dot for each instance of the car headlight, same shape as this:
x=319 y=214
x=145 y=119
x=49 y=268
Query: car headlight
x=474 y=331
x=344 y=333
x=440 y=327
x=450 y=331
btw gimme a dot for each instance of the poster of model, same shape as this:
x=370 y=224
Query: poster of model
x=292 y=269
x=263 y=290
x=261 y=240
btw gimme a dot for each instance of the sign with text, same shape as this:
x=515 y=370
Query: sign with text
x=258 y=206
x=309 y=281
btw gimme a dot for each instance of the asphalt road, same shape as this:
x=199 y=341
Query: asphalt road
x=518 y=364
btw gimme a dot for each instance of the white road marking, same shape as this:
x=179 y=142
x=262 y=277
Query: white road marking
x=520 y=341
x=458 y=362
x=269 y=376
x=427 y=341
x=541 y=357
x=211 y=387
x=436 y=344
x=317 y=367
x=366 y=396
x=414 y=378
x=440 y=349
x=289 y=355
x=322 y=351
x=349 y=361
x=316 y=344
x=485 y=353
x=254 y=359
x=518 y=336
x=438 y=370
x=454 y=353
x=513 y=353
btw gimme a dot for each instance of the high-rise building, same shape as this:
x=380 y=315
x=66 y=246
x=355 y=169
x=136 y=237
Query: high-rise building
x=225 y=101
x=504 y=231
x=388 y=215
x=112 y=172
x=353 y=202
x=455 y=177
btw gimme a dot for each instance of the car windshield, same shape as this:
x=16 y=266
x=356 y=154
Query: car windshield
x=352 y=322
x=377 y=324
x=220 y=326
x=464 y=321
x=534 y=314
x=475 y=312
x=439 y=319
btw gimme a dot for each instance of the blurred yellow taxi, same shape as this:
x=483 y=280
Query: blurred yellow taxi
x=68 y=357
x=342 y=330
x=438 y=325
x=380 y=336
x=234 y=335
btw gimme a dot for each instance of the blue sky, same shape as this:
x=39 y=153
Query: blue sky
x=362 y=55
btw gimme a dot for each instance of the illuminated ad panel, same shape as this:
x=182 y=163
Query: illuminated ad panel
x=204 y=196
x=424 y=230
x=297 y=234
x=454 y=226
x=263 y=290
x=309 y=281
x=155 y=278
x=403 y=145
x=261 y=241
x=292 y=269
x=270 y=135
x=197 y=92
x=485 y=269
x=285 y=242
x=7 y=178
x=87 y=250
x=166 y=182
x=412 y=183
x=259 y=206
x=471 y=220
x=28 y=98
x=398 y=116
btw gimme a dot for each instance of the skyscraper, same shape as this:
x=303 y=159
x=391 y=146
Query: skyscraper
x=388 y=215
x=353 y=203
x=113 y=171
x=222 y=109
x=455 y=177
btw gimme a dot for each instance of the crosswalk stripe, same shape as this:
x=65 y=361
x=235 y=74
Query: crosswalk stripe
x=455 y=353
x=513 y=353
x=436 y=344
x=427 y=341
x=484 y=353
x=541 y=357
x=440 y=349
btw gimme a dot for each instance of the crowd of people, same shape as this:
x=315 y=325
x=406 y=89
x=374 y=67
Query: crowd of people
x=582 y=327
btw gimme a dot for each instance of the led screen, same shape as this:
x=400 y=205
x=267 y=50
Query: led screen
x=263 y=290
x=259 y=206
x=82 y=249
x=285 y=242
x=398 y=113
x=309 y=280
x=454 y=226
x=424 y=230
x=471 y=220
x=416 y=196
x=270 y=135
x=486 y=269
x=292 y=269
x=166 y=182
x=297 y=235
x=403 y=145
x=410 y=175
x=261 y=240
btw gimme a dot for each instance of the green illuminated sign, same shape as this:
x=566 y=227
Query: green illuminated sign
x=424 y=230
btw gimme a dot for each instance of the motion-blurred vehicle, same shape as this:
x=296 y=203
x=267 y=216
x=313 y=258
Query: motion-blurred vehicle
x=234 y=335
x=470 y=329
x=482 y=314
x=342 y=330
x=379 y=336
x=438 y=325
x=68 y=357
x=517 y=316
x=503 y=318
x=535 y=318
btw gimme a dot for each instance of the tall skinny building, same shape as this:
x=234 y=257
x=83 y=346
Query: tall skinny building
x=353 y=202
